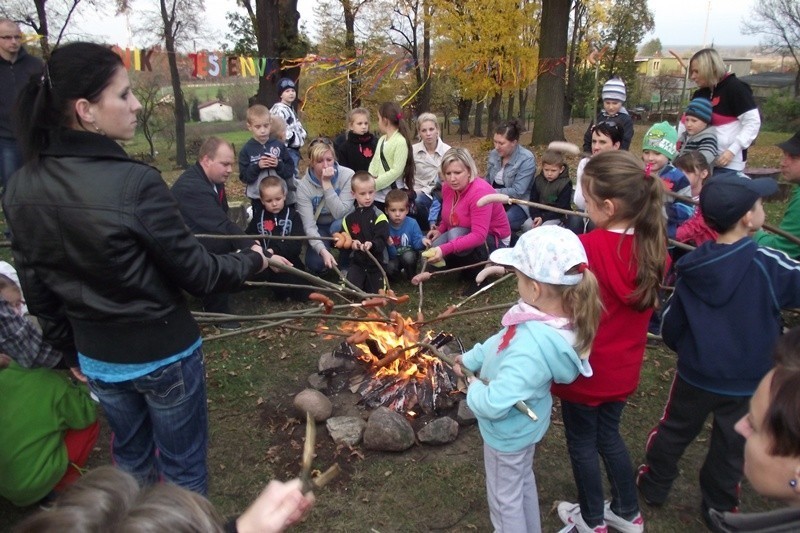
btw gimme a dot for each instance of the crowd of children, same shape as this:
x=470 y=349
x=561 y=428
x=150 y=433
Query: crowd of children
x=586 y=296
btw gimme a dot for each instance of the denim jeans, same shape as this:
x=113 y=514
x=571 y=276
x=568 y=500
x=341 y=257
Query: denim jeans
x=313 y=260
x=423 y=203
x=593 y=430
x=517 y=216
x=10 y=159
x=160 y=423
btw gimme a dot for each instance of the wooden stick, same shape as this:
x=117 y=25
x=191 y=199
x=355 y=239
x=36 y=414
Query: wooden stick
x=456 y=269
x=468 y=312
x=505 y=199
x=260 y=237
x=244 y=330
x=767 y=227
x=318 y=331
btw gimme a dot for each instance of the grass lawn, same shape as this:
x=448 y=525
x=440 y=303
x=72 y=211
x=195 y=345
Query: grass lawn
x=256 y=436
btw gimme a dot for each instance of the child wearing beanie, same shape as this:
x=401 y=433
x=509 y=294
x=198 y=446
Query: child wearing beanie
x=658 y=151
x=613 y=96
x=699 y=134
x=295 y=133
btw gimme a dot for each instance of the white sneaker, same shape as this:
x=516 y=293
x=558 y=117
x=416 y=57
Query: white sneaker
x=620 y=524
x=570 y=514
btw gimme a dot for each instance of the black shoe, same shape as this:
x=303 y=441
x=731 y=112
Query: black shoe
x=229 y=326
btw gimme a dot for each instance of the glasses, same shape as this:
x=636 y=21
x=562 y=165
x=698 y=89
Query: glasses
x=320 y=140
x=607 y=126
x=11 y=37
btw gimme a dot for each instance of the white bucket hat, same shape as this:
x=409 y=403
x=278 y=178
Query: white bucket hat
x=545 y=254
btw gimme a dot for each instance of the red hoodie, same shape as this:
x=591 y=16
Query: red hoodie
x=618 y=348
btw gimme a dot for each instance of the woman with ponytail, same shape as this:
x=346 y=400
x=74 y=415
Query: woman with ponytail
x=104 y=258
x=393 y=163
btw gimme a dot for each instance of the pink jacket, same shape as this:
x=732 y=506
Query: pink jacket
x=460 y=209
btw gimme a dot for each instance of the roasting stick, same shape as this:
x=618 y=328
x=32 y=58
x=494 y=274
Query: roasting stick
x=453 y=308
x=262 y=237
x=326 y=477
x=521 y=406
x=505 y=199
x=468 y=312
x=772 y=229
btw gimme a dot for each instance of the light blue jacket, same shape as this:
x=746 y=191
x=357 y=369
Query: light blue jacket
x=536 y=356
x=518 y=174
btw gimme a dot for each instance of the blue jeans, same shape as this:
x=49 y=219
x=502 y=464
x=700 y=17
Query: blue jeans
x=160 y=423
x=294 y=153
x=313 y=260
x=10 y=159
x=517 y=215
x=592 y=430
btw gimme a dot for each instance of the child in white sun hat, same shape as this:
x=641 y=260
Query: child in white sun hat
x=546 y=337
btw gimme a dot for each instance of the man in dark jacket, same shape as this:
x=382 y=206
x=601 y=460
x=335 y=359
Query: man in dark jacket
x=16 y=68
x=200 y=192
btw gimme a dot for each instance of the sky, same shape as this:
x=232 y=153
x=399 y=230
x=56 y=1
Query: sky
x=678 y=22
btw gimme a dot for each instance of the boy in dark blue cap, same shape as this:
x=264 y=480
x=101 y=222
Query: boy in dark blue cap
x=699 y=135
x=723 y=320
x=295 y=133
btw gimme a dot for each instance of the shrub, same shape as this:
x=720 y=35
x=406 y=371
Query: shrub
x=781 y=112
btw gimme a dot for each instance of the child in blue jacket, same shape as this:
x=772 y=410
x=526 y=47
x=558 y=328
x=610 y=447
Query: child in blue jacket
x=541 y=340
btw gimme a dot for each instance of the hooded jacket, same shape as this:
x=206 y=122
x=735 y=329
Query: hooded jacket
x=13 y=77
x=106 y=256
x=336 y=201
x=724 y=316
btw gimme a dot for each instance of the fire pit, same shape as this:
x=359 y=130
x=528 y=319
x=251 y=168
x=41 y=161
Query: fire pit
x=395 y=367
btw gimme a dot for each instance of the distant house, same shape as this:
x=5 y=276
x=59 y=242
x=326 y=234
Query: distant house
x=766 y=84
x=215 y=110
x=668 y=65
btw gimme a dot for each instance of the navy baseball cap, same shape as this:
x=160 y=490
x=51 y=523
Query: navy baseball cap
x=726 y=198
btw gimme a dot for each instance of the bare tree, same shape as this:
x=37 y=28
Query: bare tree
x=410 y=30
x=43 y=17
x=778 y=24
x=147 y=89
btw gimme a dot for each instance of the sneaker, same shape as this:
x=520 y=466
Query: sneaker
x=570 y=514
x=640 y=473
x=620 y=524
x=229 y=326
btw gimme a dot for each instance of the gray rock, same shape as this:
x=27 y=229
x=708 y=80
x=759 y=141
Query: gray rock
x=346 y=429
x=328 y=363
x=439 y=431
x=314 y=402
x=318 y=382
x=388 y=431
x=465 y=416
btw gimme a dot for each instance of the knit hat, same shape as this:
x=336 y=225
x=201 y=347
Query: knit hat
x=545 y=254
x=614 y=89
x=661 y=138
x=726 y=198
x=284 y=84
x=700 y=108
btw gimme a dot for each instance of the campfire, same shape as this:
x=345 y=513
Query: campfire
x=395 y=367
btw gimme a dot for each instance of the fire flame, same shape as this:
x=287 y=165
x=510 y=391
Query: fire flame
x=409 y=363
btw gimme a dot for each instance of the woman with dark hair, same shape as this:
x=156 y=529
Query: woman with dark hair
x=393 y=163
x=104 y=257
x=771 y=430
x=606 y=136
x=734 y=114
x=511 y=170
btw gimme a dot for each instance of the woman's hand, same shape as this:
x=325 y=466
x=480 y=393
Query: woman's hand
x=432 y=235
x=278 y=506
x=327 y=259
x=426 y=242
x=724 y=158
x=434 y=255
x=457 y=366
x=327 y=174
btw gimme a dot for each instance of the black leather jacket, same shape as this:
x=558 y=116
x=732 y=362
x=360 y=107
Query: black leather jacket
x=103 y=253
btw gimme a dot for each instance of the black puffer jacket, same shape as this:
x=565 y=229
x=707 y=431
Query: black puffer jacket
x=103 y=253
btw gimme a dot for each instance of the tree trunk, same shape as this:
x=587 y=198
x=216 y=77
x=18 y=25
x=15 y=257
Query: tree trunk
x=478 y=129
x=424 y=96
x=797 y=85
x=267 y=33
x=43 y=28
x=177 y=91
x=523 y=104
x=510 y=108
x=464 y=107
x=494 y=113
x=350 y=49
x=548 y=124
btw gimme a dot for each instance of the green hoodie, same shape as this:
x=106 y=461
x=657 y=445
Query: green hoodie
x=38 y=406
